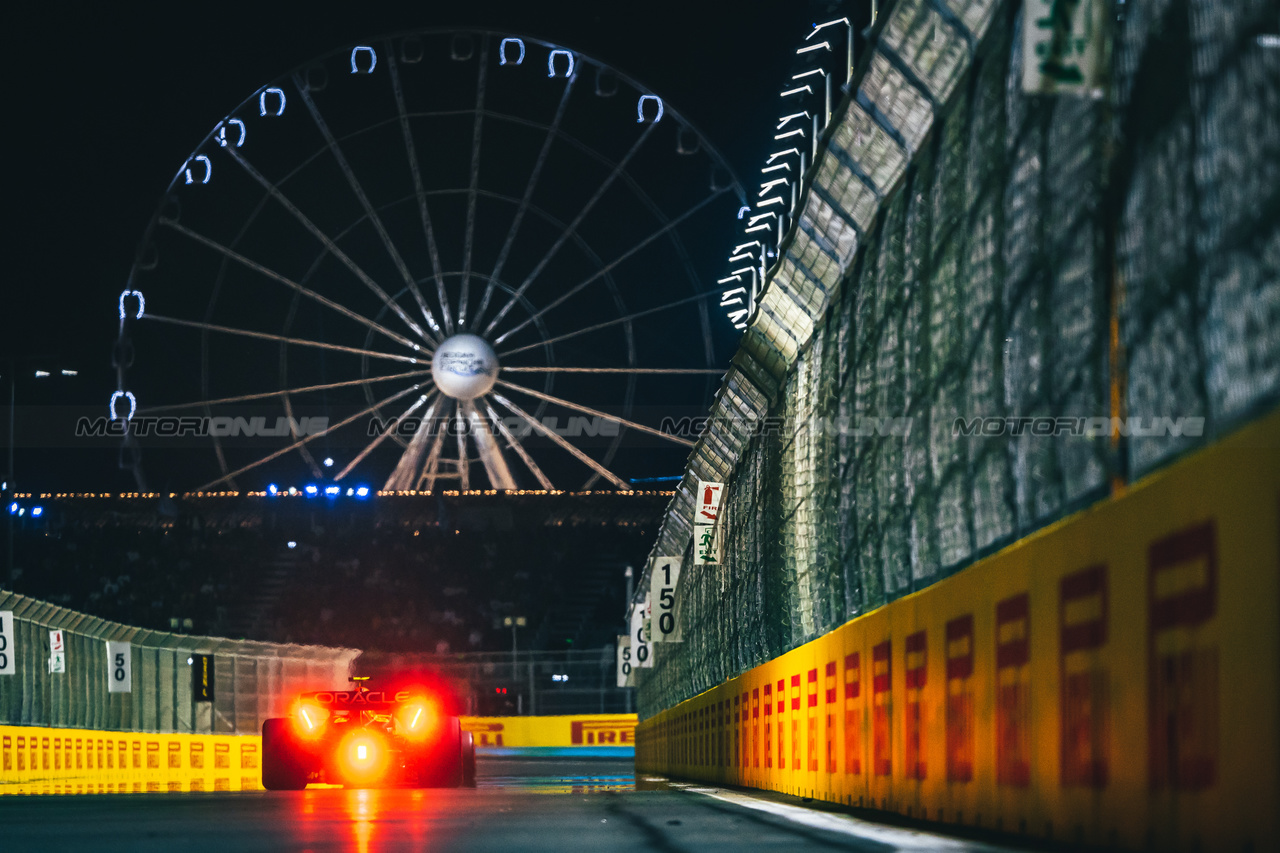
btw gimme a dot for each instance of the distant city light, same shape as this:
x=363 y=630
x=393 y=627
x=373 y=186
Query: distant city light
x=13 y=508
x=293 y=490
x=40 y=374
x=70 y=373
x=37 y=511
x=273 y=490
x=333 y=491
x=560 y=676
x=362 y=492
x=292 y=544
x=312 y=490
x=328 y=462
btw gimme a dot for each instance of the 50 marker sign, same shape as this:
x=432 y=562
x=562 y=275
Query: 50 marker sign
x=7 y=635
x=119 y=667
x=624 y=660
x=663 y=582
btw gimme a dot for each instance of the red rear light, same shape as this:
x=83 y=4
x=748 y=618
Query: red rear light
x=417 y=719
x=310 y=718
x=363 y=757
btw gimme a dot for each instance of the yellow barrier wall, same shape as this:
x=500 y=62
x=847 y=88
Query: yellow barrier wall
x=64 y=761
x=37 y=760
x=583 y=730
x=1113 y=679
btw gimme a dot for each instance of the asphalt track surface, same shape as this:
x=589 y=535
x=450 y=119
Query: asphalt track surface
x=518 y=805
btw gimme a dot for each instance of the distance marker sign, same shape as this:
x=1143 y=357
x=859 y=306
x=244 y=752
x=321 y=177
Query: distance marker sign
x=624 y=660
x=119 y=667
x=663 y=581
x=7 y=640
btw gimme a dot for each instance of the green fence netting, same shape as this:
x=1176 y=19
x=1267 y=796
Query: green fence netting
x=963 y=249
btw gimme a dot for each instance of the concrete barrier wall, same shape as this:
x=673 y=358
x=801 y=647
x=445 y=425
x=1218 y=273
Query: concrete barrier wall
x=1113 y=679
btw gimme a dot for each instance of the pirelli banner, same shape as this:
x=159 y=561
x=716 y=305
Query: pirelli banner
x=605 y=734
x=1112 y=680
x=38 y=760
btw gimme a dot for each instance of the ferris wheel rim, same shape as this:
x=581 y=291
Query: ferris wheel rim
x=638 y=194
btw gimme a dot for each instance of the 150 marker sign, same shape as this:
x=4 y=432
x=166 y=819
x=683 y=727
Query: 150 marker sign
x=663 y=581
x=641 y=653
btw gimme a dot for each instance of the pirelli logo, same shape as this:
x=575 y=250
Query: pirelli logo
x=597 y=732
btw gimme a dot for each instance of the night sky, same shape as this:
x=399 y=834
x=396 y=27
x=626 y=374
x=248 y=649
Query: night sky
x=106 y=100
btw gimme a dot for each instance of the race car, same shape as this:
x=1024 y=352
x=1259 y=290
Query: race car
x=364 y=738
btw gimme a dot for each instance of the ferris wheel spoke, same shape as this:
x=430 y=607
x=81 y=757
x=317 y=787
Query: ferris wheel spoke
x=661 y=371
x=431 y=470
x=407 y=465
x=517 y=447
x=609 y=267
x=464 y=468
x=495 y=465
x=615 y=322
x=559 y=440
x=328 y=243
x=552 y=131
x=307 y=439
x=468 y=243
x=284 y=339
x=244 y=398
x=437 y=269
x=571 y=228
x=587 y=410
x=290 y=283
x=363 y=198
x=382 y=436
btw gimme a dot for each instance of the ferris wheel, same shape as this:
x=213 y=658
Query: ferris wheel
x=442 y=259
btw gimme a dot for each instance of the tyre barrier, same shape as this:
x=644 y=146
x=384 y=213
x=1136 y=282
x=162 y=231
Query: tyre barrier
x=1113 y=679
x=36 y=760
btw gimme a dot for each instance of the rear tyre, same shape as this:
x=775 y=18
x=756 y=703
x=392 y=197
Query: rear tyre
x=468 y=760
x=443 y=766
x=284 y=767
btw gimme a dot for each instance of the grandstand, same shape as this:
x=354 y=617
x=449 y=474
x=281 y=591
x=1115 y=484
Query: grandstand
x=433 y=573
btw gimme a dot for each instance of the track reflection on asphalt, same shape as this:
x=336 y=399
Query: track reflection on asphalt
x=518 y=805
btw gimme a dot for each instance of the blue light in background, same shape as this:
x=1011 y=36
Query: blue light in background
x=273 y=490
x=37 y=511
x=362 y=492
x=312 y=490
